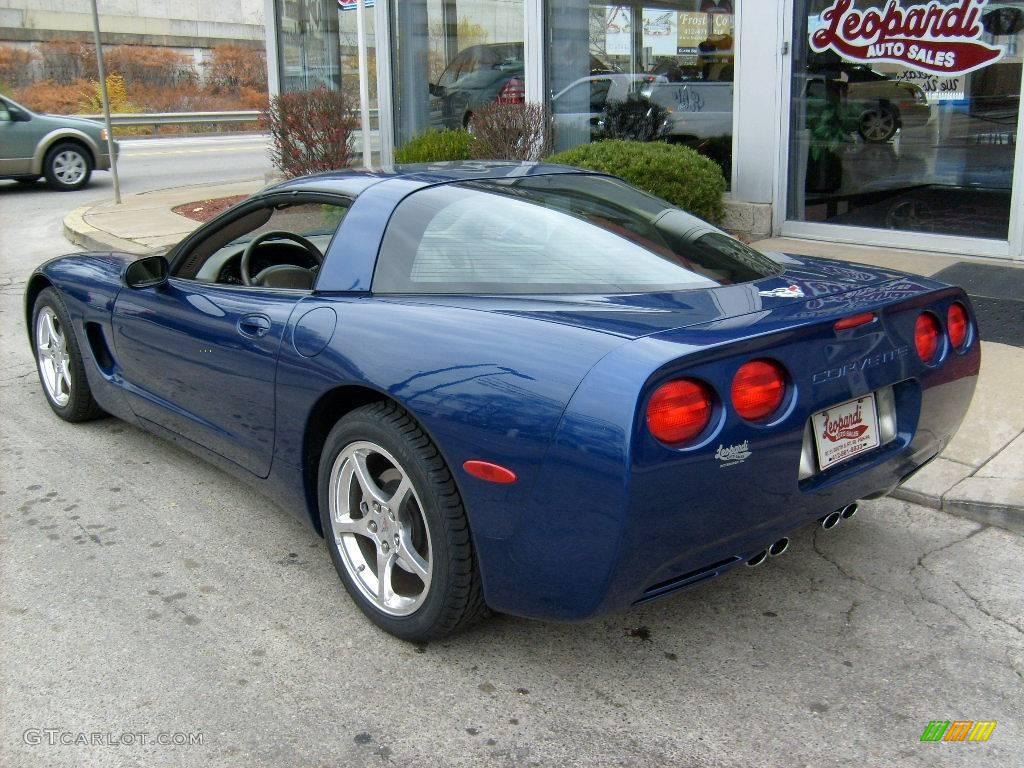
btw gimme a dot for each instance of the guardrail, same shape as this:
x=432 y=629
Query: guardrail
x=157 y=119
x=179 y=118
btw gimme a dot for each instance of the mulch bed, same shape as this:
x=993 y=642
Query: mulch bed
x=204 y=210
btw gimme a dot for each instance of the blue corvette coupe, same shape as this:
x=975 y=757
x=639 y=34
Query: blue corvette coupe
x=524 y=388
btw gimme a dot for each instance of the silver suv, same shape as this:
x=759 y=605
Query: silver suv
x=66 y=150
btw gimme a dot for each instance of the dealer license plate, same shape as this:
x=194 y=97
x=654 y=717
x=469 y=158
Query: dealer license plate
x=846 y=430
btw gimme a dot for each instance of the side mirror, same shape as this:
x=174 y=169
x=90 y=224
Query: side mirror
x=438 y=91
x=147 y=273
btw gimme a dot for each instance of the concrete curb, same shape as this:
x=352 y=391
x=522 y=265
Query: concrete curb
x=1003 y=509
x=77 y=231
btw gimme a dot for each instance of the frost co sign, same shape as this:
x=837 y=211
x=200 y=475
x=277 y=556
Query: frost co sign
x=931 y=37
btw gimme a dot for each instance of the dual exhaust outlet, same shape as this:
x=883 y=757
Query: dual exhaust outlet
x=774 y=550
x=831 y=520
x=828 y=522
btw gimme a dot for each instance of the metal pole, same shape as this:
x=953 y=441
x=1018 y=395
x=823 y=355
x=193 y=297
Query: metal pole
x=364 y=85
x=101 y=71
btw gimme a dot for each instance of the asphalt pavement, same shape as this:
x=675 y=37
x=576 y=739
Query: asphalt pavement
x=146 y=597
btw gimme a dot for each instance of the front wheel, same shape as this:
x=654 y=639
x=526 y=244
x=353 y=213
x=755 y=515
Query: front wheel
x=68 y=166
x=59 y=360
x=395 y=526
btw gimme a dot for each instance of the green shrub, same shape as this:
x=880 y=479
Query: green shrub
x=672 y=172
x=436 y=146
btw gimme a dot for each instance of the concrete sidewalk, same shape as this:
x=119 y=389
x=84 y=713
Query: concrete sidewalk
x=980 y=475
x=144 y=224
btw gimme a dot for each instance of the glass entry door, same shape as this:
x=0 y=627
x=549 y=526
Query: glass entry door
x=903 y=115
x=673 y=61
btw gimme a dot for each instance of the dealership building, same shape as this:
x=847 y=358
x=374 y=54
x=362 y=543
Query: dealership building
x=879 y=122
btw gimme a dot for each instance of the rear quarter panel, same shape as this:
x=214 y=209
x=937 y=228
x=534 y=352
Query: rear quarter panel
x=614 y=512
x=483 y=385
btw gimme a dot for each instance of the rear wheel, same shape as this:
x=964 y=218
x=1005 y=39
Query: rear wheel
x=395 y=526
x=878 y=124
x=67 y=166
x=59 y=360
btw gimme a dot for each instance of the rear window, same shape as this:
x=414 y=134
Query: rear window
x=562 y=233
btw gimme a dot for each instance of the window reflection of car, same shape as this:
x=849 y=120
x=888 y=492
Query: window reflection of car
x=880 y=104
x=696 y=109
x=481 y=75
x=581 y=104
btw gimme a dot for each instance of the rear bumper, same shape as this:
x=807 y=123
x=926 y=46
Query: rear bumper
x=616 y=520
x=715 y=524
x=674 y=560
x=103 y=157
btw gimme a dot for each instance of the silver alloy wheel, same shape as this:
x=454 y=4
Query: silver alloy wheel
x=69 y=167
x=878 y=125
x=378 y=523
x=52 y=356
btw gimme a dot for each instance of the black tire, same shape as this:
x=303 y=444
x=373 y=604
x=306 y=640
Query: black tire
x=454 y=600
x=879 y=124
x=55 y=154
x=80 y=406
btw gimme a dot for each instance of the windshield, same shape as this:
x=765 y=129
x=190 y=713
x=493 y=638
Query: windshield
x=561 y=233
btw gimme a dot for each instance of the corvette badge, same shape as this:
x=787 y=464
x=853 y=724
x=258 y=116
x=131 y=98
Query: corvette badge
x=789 y=292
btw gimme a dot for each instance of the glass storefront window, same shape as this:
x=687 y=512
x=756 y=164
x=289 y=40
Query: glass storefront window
x=308 y=44
x=317 y=46
x=349 y=50
x=679 y=56
x=904 y=115
x=451 y=57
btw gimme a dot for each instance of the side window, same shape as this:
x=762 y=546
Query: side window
x=451 y=74
x=5 y=115
x=572 y=100
x=599 y=94
x=216 y=257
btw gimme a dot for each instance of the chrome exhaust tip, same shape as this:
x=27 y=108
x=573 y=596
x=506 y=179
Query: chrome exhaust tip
x=757 y=559
x=849 y=511
x=831 y=520
x=778 y=547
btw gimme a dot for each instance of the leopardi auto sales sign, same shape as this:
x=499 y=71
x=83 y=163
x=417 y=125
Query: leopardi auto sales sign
x=942 y=38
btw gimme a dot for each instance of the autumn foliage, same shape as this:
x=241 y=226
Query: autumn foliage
x=60 y=77
x=15 y=66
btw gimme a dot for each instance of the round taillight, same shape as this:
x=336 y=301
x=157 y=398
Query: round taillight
x=957 y=325
x=926 y=336
x=758 y=389
x=679 y=411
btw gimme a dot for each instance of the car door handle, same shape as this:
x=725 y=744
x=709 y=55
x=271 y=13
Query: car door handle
x=254 y=326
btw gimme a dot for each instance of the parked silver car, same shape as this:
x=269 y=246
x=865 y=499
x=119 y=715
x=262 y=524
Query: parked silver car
x=66 y=150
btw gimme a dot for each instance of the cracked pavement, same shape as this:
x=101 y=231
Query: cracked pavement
x=144 y=591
